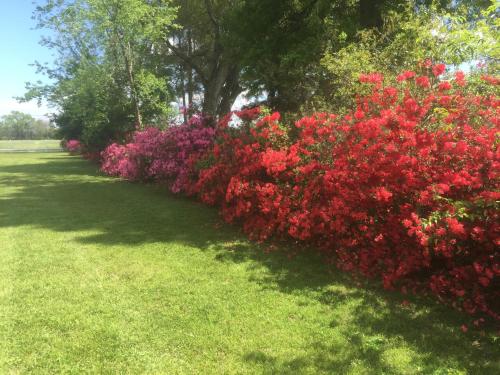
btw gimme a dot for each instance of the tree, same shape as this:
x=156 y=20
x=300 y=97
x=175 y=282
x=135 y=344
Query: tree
x=130 y=31
x=448 y=33
x=19 y=125
x=201 y=47
x=107 y=75
x=280 y=42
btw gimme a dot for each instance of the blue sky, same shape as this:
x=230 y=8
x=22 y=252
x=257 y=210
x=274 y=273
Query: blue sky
x=18 y=49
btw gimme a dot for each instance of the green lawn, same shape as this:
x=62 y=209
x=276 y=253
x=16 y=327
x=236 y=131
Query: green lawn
x=103 y=276
x=29 y=144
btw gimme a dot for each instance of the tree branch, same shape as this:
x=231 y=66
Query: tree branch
x=210 y=13
x=187 y=60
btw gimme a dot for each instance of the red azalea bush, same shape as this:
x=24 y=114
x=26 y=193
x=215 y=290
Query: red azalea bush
x=405 y=188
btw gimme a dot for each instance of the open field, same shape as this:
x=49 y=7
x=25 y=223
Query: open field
x=29 y=144
x=103 y=276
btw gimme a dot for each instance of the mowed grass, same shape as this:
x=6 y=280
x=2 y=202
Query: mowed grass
x=103 y=276
x=29 y=144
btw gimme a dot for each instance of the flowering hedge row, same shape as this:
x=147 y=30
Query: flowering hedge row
x=405 y=188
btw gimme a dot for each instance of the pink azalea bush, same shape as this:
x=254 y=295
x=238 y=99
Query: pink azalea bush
x=168 y=156
x=73 y=146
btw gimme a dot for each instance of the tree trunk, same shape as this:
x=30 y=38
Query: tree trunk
x=133 y=92
x=213 y=88
x=229 y=92
x=183 y=90
x=219 y=77
x=210 y=104
x=190 y=88
x=219 y=99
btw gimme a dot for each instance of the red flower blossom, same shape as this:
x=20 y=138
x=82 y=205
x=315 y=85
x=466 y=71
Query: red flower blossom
x=438 y=69
x=460 y=78
x=382 y=194
x=455 y=226
x=444 y=86
x=423 y=81
x=406 y=75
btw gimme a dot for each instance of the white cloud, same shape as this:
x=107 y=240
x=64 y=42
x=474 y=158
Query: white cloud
x=240 y=101
x=8 y=105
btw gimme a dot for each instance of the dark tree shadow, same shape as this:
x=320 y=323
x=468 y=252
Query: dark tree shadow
x=64 y=194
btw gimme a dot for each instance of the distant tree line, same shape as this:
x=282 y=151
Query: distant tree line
x=18 y=125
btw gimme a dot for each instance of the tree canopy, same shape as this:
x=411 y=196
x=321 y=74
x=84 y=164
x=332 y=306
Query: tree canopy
x=123 y=63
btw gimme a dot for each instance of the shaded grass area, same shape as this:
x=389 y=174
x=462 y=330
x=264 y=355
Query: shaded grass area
x=29 y=144
x=104 y=276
